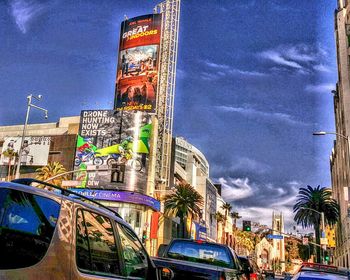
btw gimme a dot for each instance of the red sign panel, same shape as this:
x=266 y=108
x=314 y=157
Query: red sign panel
x=154 y=225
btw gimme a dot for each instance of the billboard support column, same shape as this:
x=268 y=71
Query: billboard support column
x=170 y=10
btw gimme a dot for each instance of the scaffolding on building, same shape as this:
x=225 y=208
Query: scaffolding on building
x=170 y=10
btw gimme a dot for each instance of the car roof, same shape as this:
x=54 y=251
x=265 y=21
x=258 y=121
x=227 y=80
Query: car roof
x=314 y=275
x=61 y=196
x=200 y=242
x=306 y=266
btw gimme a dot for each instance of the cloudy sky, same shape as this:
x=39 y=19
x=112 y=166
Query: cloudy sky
x=253 y=82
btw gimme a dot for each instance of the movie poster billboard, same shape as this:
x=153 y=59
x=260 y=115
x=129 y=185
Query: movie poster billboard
x=112 y=150
x=35 y=150
x=137 y=70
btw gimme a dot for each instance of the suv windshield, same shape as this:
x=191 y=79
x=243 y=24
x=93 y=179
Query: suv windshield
x=27 y=223
x=201 y=253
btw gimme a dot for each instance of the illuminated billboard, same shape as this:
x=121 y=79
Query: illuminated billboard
x=112 y=150
x=137 y=70
x=35 y=150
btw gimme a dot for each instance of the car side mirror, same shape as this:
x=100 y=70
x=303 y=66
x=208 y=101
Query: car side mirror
x=165 y=273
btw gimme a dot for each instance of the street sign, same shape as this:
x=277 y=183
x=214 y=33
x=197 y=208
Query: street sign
x=305 y=241
x=324 y=241
x=274 y=236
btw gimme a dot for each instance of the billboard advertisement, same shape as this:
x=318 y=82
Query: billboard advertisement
x=112 y=150
x=35 y=150
x=137 y=70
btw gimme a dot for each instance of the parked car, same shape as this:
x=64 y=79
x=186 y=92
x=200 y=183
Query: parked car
x=62 y=235
x=268 y=273
x=250 y=268
x=287 y=275
x=190 y=259
x=315 y=271
x=161 y=249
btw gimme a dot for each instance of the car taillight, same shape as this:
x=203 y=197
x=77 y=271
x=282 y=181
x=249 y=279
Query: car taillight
x=222 y=276
x=253 y=276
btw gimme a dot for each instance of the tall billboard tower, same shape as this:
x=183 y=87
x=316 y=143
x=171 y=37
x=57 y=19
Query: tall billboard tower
x=170 y=10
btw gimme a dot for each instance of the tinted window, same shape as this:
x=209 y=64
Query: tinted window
x=200 y=253
x=245 y=264
x=27 y=223
x=96 y=249
x=134 y=255
x=254 y=266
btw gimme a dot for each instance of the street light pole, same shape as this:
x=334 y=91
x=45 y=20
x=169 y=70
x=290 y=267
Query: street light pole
x=320 y=213
x=322 y=225
x=321 y=133
x=29 y=105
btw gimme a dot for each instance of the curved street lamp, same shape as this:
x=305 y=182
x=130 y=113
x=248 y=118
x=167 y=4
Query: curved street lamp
x=321 y=133
x=29 y=105
x=321 y=214
x=323 y=233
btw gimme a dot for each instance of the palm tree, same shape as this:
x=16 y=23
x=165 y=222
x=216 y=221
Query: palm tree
x=10 y=154
x=220 y=219
x=185 y=202
x=50 y=170
x=235 y=216
x=227 y=208
x=317 y=199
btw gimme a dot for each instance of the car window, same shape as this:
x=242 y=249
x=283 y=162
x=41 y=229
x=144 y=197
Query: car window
x=201 y=253
x=244 y=263
x=254 y=266
x=27 y=224
x=96 y=250
x=134 y=255
x=237 y=264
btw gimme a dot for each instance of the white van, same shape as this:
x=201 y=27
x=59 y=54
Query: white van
x=46 y=234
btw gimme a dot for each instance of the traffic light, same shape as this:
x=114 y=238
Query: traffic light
x=247 y=226
x=326 y=256
x=144 y=236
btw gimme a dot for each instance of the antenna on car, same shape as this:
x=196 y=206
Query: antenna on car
x=29 y=181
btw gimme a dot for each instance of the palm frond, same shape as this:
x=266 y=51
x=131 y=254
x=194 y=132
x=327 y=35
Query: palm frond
x=186 y=201
x=318 y=199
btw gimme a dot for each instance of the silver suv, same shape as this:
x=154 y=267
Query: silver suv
x=47 y=234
